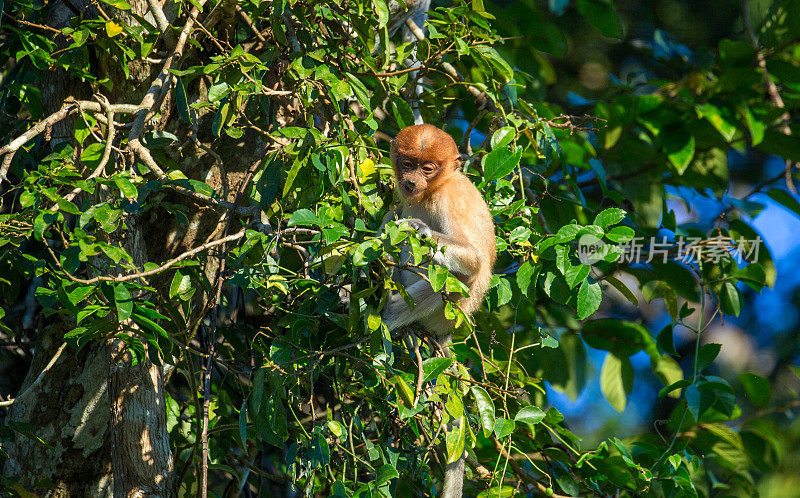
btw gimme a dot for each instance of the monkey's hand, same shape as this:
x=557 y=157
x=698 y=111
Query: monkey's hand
x=418 y=225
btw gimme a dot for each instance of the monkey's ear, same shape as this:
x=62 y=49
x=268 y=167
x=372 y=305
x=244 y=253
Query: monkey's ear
x=459 y=161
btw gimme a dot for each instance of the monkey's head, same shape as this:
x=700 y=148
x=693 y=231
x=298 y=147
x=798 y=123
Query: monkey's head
x=424 y=157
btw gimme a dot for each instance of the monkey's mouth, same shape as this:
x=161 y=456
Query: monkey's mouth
x=408 y=190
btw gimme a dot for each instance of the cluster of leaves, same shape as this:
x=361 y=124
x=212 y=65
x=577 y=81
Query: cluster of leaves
x=319 y=393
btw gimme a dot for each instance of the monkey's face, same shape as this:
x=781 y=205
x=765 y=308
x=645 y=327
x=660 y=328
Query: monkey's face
x=414 y=177
x=423 y=157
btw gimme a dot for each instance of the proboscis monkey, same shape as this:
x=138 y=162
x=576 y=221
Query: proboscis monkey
x=440 y=202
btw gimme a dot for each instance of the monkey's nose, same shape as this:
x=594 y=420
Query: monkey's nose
x=409 y=186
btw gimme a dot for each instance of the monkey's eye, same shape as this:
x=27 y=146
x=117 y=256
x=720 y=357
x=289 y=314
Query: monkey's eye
x=406 y=165
x=428 y=168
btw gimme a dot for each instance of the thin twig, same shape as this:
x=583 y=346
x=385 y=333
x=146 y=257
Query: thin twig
x=46 y=369
x=772 y=89
x=482 y=99
x=420 y=371
x=34 y=25
x=162 y=268
x=249 y=23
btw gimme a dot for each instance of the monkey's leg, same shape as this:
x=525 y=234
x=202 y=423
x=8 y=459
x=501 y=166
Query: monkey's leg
x=397 y=312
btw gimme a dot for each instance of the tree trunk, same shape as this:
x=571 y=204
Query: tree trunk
x=86 y=452
x=68 y=411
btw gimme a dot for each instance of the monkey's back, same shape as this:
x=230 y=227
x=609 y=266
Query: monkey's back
x=470 y=218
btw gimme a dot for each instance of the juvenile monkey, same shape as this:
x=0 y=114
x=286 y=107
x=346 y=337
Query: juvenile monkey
x=440 y=202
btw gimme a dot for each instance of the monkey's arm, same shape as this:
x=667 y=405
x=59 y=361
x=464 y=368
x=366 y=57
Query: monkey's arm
x=459 y=255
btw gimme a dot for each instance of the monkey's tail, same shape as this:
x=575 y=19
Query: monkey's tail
x=453 y=479
x=454 y=472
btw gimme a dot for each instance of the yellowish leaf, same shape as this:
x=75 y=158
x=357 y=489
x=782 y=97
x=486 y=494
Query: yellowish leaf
x=113 y=29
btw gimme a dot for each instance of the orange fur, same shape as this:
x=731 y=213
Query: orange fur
x=435 y=191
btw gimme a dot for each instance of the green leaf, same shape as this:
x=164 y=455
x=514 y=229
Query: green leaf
x=336 y=428
x=485 y=409
x=92 y=155
x=120 y=4
x=404 y=391
x=698 y=400
x=221 y=117
x=621 y=234
x=602 y=15
x=674 y=388
x=530 y=415
x=67 y=206
x=498 y=64
x=80 y=293
x=668 y=371
x=403 y=113
x=503 y=427
x=608 y=217
x=218 y=91
x=500 y=162
x=752 y=275
x=182 y=101
x=623 y=289
x=730 y=299
x=621 y=337
x=755 y=127
x=567 y=233
x=714 y=116
x=150 y=325
x=503 y=137
x=298 y=164
x=432 y=367
x=455 y=439
x=304 y=217
x=382 y=10
x=679 y=146
x=385 y=474
x=123 y=302
x=525 y=277
x=437 y=276
x=616 y=380
x=706 y=355
x=589 y=297
x=576 y=274
x=665 y=342
x=125 y=186
x=504 y=491
x=181 y=286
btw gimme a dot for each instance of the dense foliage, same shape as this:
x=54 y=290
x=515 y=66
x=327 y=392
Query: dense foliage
x=240 y=291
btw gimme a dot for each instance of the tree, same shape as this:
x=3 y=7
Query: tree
x=190 y=192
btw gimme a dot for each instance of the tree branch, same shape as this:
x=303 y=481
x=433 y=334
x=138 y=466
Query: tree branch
x=161 y=22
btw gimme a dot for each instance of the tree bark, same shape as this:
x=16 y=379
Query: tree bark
x=68 y=411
